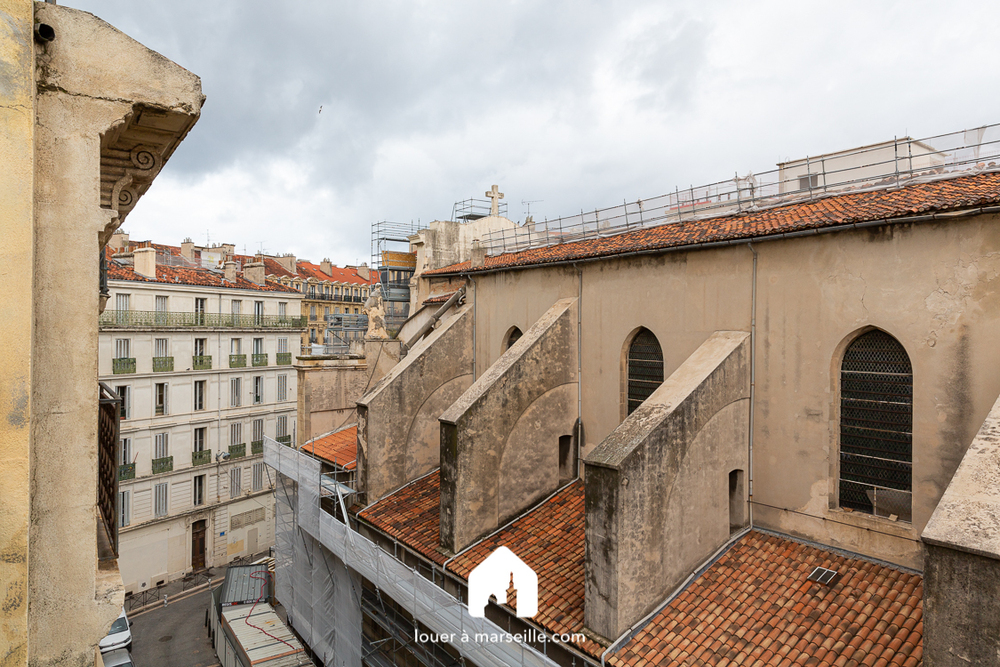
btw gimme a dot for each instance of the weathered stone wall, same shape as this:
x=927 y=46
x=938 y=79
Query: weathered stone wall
x=962 y=559
x=398 y=435
x=657 y=488
x=17 y=126
x=500 y=439
x=91 y=79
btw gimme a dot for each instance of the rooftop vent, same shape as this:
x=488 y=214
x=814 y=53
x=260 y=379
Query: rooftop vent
x=821 y=575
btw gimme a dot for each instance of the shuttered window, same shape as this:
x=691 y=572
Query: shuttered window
x=645 y=368
x=876 y=421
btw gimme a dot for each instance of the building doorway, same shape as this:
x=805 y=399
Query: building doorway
x=198 y=545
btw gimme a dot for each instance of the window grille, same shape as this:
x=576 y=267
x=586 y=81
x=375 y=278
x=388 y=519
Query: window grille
x=282 y=387
x=876 y=421
x=235 y=482
x=160 y=446
x=250 y=517
x=160 y=504
x=645 y=368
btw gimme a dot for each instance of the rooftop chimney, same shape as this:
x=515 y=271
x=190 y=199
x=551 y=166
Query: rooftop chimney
x=230 y=271
x=326 y=267
x=287 y=261
x=253 y=271
x=119 y=241
x=145 y=262
x=187 y=249
x=478 y=255
x=363 y=271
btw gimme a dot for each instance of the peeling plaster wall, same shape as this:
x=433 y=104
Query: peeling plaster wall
x=500 y=439
x=17 y=113
x=89 y=79
x=657 y=489
x=398 y=438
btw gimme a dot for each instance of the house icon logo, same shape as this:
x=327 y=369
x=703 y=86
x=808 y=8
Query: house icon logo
x=492 y=577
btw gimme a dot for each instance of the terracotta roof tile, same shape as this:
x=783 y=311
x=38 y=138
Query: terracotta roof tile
x=339 y=447
x=191 y=276
x=412 y=515
x=801 y=622
x=845 y=209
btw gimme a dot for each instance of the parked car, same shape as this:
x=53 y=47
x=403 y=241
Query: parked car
x=119 y=636
x=118 y=657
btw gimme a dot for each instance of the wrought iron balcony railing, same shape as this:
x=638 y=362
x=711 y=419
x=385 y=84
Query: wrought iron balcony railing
x=165 y=464
x=237 y=361
x=201 y=363
x=238 y=451
x=256 y=446
x=259 y=359
x=202 y=457
x=123 y=365
x=163 y=364
x=126 y=471
x=285 y=440
x=283 y=358
x=153 y=319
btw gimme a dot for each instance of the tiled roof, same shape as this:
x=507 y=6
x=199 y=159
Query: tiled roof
x=755 y=606
x=412 y=515
x=306 y=270
x=192 y=276
x=438 y=298
x=550 y=539
x=840 y=210
x=339 y=447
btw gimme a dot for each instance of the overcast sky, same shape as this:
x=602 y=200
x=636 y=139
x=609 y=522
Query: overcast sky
x=572 y=105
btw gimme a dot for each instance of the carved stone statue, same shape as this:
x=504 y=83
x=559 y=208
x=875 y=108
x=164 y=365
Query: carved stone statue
x=374 y=308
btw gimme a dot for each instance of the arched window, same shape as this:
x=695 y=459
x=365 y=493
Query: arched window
x=876 y=422
x=644 y=367
x=512 y=337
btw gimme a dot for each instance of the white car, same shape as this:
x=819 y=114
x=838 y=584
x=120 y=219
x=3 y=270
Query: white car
x=117 y=658
x=119 y=636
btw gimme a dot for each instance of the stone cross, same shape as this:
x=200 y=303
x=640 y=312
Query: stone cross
x=495 y=196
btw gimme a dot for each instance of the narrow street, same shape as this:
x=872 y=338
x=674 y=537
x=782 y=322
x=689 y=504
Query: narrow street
x=175 y=635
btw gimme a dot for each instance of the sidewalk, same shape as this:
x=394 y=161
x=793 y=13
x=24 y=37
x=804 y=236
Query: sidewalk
x=179 y=588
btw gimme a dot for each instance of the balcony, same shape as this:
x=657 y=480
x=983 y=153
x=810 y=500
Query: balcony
x=237 y=361
x=238 y=451
x=152 y=319
x=283 y=358
x=201 y=457
x=126 y=471
x=108 y=452
x=260 y=359
x=165 y=464
x=202 y=362
x=163 y=364
x=123 y=365
x=285 y=440
x=257 y=447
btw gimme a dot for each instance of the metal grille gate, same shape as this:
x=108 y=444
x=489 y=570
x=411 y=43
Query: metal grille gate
x=645 y=368
x=876 y=418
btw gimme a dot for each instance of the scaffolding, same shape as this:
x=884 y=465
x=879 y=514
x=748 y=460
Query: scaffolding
x=396 y=265
x=897 y=163
x=321 y=565
x=468 y=210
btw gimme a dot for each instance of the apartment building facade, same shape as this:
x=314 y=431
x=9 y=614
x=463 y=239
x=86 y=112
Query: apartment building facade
x=202 y=361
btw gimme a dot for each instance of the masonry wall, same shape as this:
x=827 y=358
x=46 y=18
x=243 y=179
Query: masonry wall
x=933 y=286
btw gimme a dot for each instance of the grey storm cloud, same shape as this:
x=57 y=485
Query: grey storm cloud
x=580 y=104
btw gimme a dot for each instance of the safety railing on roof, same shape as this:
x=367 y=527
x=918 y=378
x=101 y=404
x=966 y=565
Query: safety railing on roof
x=156 y=319
x=890 y=164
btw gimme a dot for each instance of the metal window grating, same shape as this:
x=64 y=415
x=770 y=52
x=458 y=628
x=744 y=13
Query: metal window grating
x=876 y=417
x=645 y=368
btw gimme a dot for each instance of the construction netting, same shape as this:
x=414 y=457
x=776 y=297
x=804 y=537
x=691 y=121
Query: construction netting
x=313 y=546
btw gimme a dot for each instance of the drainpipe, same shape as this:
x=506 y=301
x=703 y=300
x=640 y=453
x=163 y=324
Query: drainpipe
x=579 y=373
x=753 y=378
